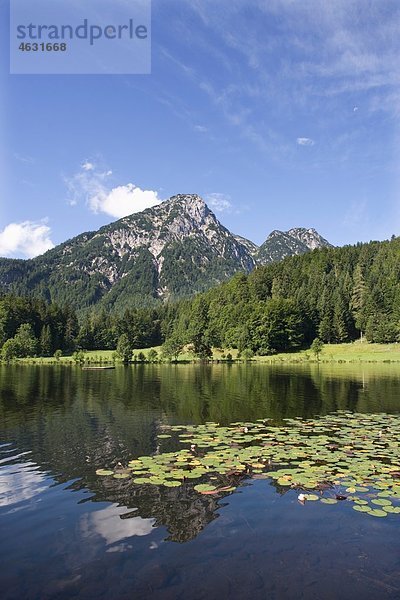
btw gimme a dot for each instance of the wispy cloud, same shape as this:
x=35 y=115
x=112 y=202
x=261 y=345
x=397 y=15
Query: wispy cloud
x=24 y=158
x=219 y=202
x=27 y=239
x=93 y=185
x=305 y=141
x=87 y=165
x=268 y=70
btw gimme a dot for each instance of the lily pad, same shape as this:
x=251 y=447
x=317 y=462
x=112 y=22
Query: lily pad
x=381 y=502
x=357 y=454
x=376 y=512
x=104 y=472
x=203 y=487
x=361 y=508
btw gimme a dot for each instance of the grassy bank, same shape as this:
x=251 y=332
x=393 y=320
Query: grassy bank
x=356 y=352
x=109 y=357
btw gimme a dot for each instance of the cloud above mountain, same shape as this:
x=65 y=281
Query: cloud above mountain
x=219 y=202
x=93 y=185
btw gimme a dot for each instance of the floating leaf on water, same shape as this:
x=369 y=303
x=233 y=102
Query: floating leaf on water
x=362 y=508
x=104 y=472
x=381 y=502
x=134 y=463
x=376 y=512
x=204 y=487
x=392 y=509
x=344 y=450
x=171 y=483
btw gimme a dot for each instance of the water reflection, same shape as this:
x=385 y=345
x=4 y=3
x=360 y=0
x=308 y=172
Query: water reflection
x=73 y=422
x=113 y=526
x=21 y=485
x=71 y=533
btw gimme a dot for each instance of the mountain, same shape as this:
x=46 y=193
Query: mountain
x=172 y=250
x=280 y=244
x=251 y=247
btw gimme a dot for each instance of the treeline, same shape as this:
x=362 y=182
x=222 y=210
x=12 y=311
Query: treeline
x=335 y=294
x=30 y=327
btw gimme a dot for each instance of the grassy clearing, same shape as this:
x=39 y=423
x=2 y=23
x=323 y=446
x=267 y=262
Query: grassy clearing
x=356 y=352
x=108 y=357
x=337 y=353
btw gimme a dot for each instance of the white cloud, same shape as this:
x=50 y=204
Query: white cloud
x=28 y=239
x=87 y=166
x=124 y=200
x=92 y=185
x=219 y=202
x=304 y=141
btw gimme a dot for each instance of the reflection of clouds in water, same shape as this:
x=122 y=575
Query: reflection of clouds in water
x=108 y=524
x=19 y=486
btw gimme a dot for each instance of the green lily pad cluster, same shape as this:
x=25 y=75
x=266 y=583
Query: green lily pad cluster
x=344 y=456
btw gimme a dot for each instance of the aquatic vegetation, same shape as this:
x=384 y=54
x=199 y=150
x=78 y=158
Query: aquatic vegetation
x=339 y=458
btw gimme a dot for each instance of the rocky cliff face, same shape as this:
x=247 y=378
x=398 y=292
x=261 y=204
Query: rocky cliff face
x=172 y=250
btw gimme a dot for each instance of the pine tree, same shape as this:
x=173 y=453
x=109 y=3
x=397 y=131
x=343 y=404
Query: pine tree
x=45 y=341
x=124 y=348
x=198 y=333
x=358 y=299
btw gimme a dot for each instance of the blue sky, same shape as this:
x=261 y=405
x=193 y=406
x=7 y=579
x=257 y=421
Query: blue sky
x=279 y=113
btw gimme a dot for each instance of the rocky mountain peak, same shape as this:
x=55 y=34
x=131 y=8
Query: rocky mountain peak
x=310 y=237
x=280 y=244
x=173 y=249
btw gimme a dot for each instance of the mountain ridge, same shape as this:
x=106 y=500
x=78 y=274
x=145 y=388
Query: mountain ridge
x=171 y=250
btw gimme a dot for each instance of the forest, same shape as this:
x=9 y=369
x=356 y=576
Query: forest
x=334 y=294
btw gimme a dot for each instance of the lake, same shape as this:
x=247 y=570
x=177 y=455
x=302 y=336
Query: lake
x=67 y=533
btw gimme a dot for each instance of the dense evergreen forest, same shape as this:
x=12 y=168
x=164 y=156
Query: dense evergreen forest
x=335 y=294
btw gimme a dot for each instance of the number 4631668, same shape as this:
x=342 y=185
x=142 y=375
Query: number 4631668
x=42 y=47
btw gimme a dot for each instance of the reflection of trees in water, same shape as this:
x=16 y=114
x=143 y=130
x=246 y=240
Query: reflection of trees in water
x=182 y=511
x=75 y=421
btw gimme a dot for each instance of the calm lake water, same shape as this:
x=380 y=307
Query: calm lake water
x=67 y=533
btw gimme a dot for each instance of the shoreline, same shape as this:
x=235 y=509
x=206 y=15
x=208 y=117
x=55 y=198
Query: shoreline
x=350 y=353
